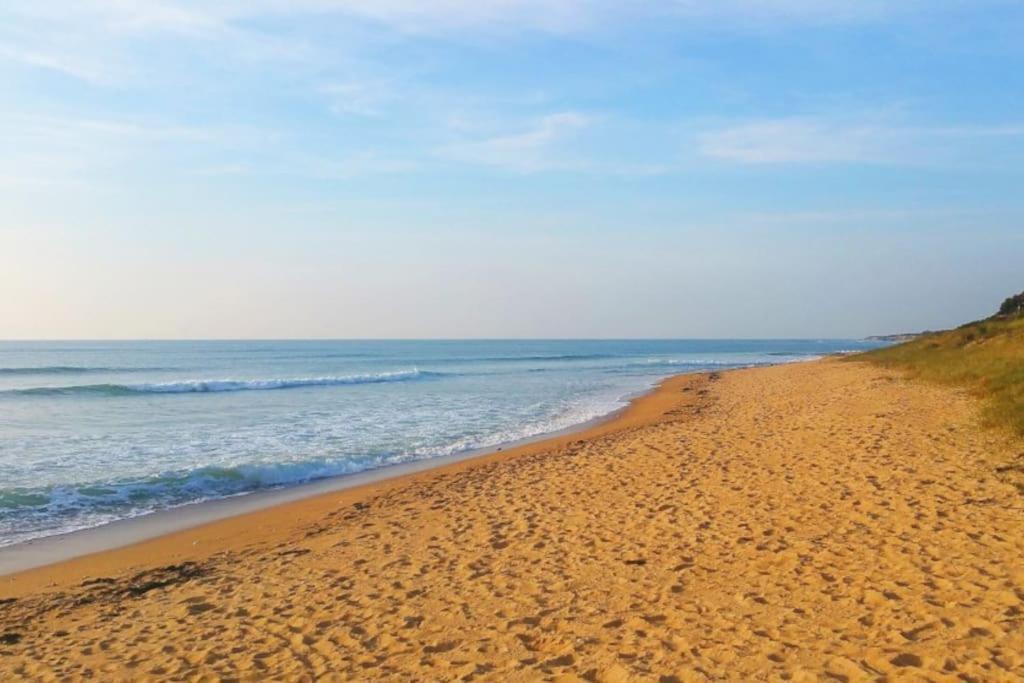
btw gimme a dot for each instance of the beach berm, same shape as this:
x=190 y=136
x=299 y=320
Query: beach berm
x=829 y=520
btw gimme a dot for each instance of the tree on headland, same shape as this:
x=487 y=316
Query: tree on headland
x=1014 y=305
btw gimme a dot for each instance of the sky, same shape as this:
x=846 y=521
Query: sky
x=513 y=168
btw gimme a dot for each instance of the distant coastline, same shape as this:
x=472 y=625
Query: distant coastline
x=900 y=337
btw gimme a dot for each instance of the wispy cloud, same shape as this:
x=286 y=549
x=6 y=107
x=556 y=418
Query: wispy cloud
x=66 y=131
x=349 y=166
x=342 y=167
x=810 y=140
x=795 y=140
x=61 y=151
x=401 y=91
x=55 y=151
x=360 y=97
x=125 y=16
x=795 y=11
x=67 y=64
x=447 y=15
x=525 y=151
x=104 y=42
x=95 y=40
x=574 y=16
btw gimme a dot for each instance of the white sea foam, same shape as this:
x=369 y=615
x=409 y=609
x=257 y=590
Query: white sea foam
x=214 y=385
x=30 y=513
x=82 y=454
x=202 y=386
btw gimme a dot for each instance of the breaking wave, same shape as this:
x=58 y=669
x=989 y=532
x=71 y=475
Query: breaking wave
x=202 y=386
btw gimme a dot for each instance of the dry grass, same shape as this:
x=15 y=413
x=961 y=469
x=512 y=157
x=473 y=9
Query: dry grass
x=986 y=356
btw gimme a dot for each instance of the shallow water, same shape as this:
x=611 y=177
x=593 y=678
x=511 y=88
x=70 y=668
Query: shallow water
x=91 y=432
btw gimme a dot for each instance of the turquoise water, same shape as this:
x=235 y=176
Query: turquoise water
x=92 y=432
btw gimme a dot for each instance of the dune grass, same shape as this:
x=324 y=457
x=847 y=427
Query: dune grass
x=987 y=357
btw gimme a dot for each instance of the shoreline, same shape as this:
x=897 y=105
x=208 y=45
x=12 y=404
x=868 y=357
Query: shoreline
x=810 y=520
x=113 y=545
x=47 y=550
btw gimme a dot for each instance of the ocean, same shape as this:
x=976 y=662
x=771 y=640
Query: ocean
x=92 y=432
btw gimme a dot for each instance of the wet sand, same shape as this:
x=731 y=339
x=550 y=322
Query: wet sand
x=816 y=520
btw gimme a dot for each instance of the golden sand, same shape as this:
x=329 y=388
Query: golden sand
x=821 y=520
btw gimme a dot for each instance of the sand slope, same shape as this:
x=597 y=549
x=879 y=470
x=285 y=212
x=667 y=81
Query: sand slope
x=816 y=520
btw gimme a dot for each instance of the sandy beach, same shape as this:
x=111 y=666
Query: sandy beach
x=824 y=520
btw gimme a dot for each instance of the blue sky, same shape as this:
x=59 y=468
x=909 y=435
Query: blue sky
x=517 y=168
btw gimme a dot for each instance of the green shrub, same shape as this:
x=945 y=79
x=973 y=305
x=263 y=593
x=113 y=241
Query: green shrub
x=1013 y=305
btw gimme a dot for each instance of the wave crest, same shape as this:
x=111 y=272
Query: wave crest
x=204 y=386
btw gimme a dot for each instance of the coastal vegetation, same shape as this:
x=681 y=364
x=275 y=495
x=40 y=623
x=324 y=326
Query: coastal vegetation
x=985 y=356
x=1013 y=305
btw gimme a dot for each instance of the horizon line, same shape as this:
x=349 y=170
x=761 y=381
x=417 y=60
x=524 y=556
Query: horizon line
x=423 y=339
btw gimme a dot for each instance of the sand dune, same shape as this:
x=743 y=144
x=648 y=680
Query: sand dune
x=820 y=520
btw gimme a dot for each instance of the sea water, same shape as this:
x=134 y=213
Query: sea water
x=92 y=432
